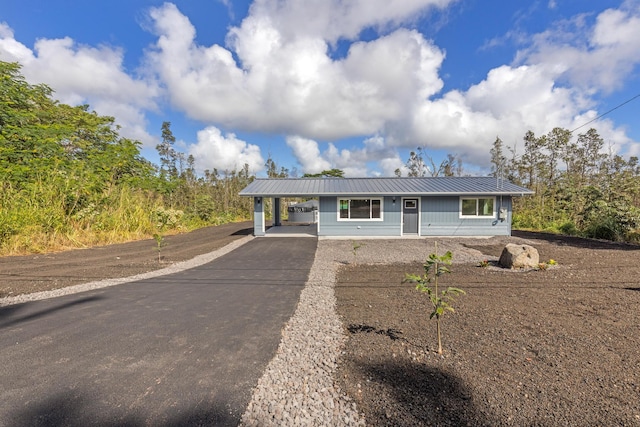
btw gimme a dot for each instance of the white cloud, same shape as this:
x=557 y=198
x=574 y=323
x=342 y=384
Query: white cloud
x=292 y=85
x=353 y=162
x=284 y=80
x=224 y=152
x=597 y=58
x=10 y=49
x=332 y=20
x=86 y=75
x=307 y=153
x=279 y=73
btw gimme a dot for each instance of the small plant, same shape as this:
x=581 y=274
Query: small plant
x=484 y=263
x=355 y=246
x=434 y=267
x=160 y=243
x=545 y=265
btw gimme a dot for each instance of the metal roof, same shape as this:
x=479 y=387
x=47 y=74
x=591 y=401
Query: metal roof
x=300 y=187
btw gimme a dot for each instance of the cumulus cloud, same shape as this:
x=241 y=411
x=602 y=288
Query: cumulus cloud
x=352 y=161
x=276 y=74
x=292 y=85
x=307 y=153
x=279 y=72
x=86 y=75
x=10 y=49
x=595 y=58
x=224 y=152
x=332 y=20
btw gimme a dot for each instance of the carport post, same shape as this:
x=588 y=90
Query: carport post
x=258 y=217
x=276 y=212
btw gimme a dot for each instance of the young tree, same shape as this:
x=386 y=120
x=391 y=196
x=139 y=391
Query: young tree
x=168 y=155
x=434 y=267
x=498 y=159
x=272 y=169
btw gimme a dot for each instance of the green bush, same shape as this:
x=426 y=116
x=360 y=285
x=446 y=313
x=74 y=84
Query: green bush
x=569 y=228
x=204 y=207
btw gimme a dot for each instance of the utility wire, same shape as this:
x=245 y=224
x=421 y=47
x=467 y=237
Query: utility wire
x=604 y=114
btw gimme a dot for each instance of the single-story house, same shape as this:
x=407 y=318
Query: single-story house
x=395 y=207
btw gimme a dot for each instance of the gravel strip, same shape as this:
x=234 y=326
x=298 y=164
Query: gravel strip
x=174 y=268
x=297 y=388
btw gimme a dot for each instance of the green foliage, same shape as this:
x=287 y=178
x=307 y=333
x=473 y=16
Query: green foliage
x=330 y=173
x=580 y=189
x=434 y=267
x=484 y=263
x=67 y=179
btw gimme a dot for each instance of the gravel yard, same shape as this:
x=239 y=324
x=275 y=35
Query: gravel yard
x=549 y=348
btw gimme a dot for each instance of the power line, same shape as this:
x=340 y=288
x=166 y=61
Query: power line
x=604 y=114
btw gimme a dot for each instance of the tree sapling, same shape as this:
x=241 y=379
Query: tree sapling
x=159 y=238
x=434 y=267
x=355 y=246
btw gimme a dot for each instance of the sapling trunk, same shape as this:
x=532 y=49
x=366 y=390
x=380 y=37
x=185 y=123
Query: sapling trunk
x=437 y=265
x=438 y=333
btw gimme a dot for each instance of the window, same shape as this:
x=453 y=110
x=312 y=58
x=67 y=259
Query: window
x=477 y=207
x=360 y=209
x=410 y=204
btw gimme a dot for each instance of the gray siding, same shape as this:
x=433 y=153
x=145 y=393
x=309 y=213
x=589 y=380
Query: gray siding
x=441 y=217
x=330 y=226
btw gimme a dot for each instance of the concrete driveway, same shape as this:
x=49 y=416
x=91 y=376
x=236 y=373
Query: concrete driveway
x=182 y=349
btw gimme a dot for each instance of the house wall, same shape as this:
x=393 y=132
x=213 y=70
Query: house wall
x=440 y=216
x=330 y=226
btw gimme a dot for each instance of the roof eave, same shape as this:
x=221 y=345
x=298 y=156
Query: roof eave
x=410 y=194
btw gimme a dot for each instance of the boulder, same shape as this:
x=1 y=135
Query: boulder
x=519 y=256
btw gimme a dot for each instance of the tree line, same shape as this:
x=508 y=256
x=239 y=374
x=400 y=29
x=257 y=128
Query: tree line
x=581 y=186
x=68 y=179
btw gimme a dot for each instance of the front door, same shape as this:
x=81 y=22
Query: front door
x=410 y=216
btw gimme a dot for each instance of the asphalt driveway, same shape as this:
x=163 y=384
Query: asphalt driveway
x=182 y=349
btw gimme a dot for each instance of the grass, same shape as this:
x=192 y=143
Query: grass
x=40 y=220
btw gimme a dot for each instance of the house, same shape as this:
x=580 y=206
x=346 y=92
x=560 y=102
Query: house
x=394 y=207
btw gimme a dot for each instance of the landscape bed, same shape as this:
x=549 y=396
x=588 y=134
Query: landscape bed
x=552 y=347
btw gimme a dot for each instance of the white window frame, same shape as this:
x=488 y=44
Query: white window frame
x=380 y=199
x=477 y=198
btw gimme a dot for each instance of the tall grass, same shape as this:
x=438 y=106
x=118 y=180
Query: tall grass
x=41 y=218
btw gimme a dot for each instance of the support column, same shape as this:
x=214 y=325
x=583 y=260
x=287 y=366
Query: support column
x=258 y=216
x=277 y=221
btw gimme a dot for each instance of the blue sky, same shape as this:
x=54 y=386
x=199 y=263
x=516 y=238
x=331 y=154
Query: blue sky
x=318 y=84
